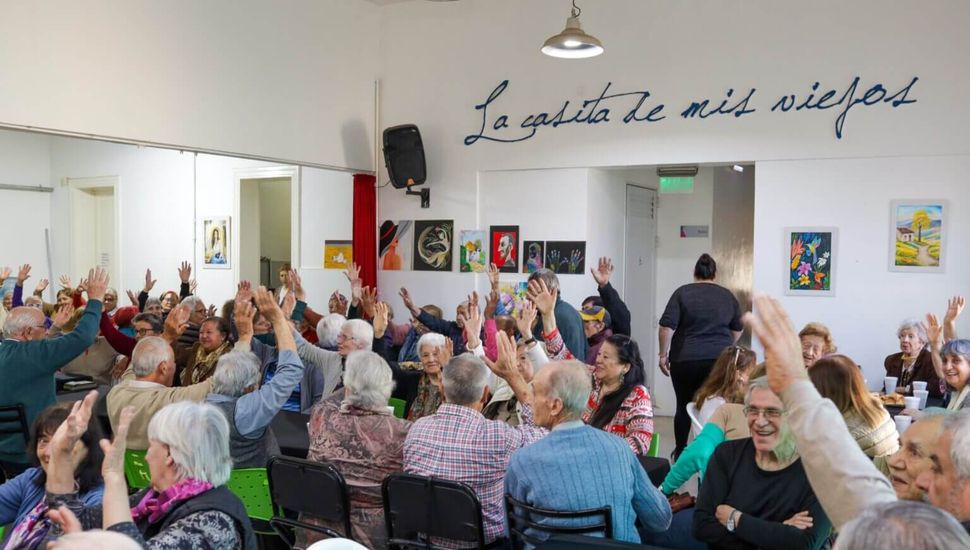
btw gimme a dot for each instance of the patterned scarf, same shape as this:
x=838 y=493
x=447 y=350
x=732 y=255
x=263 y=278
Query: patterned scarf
x=205 y=362
x=32 y=530
x=155 y=505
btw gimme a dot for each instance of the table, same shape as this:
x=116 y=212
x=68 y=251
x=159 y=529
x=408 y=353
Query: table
x=656 y=468
x=930 y=402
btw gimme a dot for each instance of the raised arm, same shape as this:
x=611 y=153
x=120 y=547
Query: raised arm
x=185 y=274
x=619 y=313
x=122 y=343
x=54 y=353
x=954 y=308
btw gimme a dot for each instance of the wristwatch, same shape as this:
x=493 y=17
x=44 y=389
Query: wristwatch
x=730 y=522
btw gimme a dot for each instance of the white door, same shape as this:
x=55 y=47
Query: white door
x=94 y=240
x=640 y=281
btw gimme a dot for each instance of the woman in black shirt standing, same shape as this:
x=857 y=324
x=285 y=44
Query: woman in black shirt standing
x=701 y=319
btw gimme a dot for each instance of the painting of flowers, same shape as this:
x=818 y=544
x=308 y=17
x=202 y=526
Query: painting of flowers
x=917 y=235
x=811 y=259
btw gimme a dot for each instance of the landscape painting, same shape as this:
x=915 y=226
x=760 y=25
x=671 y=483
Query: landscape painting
x=918 y=235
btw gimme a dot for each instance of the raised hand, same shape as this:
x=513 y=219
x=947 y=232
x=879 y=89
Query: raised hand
x=243 y=314
x=954 y=307
x=934 y=330
x=5 y=272
x=185 y=272
x=149 y=282
x=66 y=520
x=210 y=311
x=540 y=295
x=473 y=322
x=380 y=319
x=353 y=275
x=602 y=272
x=368 y=300
x=41 y=287
x=132 y=297
x=783 y=350
x=97 y=283
x=74 y=426
x=82 y=285
x=176 y=322
x=493 y=275
x=296 y=284
x=491 y=304
x=244 y=292
x=113 y=465
x=62 y=315
x=65 y=281
x=289 y=303
x=526 y=319
x=408 y=302
x=267 y=304
x=23 y=274
x=193 y=284
x=575 y=259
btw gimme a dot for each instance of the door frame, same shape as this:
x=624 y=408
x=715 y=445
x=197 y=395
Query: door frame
x=80 y=185
x=648 y=344
x=292 y=172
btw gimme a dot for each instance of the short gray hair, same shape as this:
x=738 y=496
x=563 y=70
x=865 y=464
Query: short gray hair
x=547 y=276
x=958 y=424
x=571 y=383
x=20 y=319
x=197 y=435
x=758 y=383
x=150 y=352
x=235 y=371
x=916 y=326
x=153 y=302
x=432 y=339
x=903 y=525
x=464 y=378
x=190 y=302
x=369 y=379
x=959 y=347
x=154 y=320
x=328 y=328
x=362 y=331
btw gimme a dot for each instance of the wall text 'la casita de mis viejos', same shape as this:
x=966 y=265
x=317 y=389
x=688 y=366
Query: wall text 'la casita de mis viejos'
x=639 y=107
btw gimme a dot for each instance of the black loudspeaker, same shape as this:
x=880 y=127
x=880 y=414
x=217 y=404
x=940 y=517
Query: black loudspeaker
x=404 y=156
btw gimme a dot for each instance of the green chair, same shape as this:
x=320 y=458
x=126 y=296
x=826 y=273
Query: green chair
x=251 y=485
x=398 y=405
x=136 y=469
x=654 y=450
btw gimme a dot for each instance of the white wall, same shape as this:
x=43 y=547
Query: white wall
x=25 y=160
x=293 y=81
x=326 y=213
x=854 y=195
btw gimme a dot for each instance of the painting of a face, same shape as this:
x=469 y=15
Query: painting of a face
x=504 y=241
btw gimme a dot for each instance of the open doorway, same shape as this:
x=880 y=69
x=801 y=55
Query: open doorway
x=265 y=228
x=94 y=219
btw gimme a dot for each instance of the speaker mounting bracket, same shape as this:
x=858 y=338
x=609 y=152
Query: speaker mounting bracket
x=425 y=195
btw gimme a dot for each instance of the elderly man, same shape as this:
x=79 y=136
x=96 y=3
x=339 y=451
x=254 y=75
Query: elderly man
x=28 y=362
x=903 y=526
x=568 y=321
x=843 y=477
x=459 y=444
x=250 y=410
x=147 y=384
x=600 y=467
x=354 y=335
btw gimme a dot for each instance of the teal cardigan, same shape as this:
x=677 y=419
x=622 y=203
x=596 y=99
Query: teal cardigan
x=694 y=458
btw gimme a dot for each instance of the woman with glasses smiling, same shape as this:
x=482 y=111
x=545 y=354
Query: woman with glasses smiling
x=755 y=493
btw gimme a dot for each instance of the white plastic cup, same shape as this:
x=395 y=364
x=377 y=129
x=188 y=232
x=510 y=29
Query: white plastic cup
x=912 y=403
x=918 y=386
x=923 y=395
x=889 y=383
x=902 y=422
x=390 y=409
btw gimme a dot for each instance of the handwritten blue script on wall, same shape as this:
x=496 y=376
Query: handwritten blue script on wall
x=640 y=107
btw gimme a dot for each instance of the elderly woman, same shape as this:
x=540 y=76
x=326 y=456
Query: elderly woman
x=914 y=361
x=434 y=351
x=186 y=506
x=755 y=493
x=355 y=431
x=22 y=503
x=816 y=341
x=198 y=362
x=328 y=329
x=838 y=378
x=956 y=371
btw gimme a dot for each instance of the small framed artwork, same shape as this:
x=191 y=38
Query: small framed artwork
x=338 y=254
x=566 y=257
x=396 y=240
x=810 y=269
x=917 y=235
x=535 y=256
x=216 y=242
x=433 y=244
x=504 y=247
x=472 y=257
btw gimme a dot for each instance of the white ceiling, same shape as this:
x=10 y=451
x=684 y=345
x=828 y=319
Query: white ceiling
x=387 y=2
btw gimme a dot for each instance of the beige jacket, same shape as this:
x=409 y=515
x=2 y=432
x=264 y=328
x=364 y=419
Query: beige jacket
x=844 y=479
x=147 y=398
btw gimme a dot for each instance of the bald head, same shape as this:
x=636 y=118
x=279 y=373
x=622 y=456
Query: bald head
x=25 y=323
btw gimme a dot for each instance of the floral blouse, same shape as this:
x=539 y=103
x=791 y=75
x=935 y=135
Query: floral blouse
x=427 y=401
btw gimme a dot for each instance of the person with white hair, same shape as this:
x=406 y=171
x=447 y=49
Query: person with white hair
x=903 y=525
x=328 y=329
x=355 y=431
x=914 y=361
x=459 y=444
x=96 y=539
x=601 y=468
x=187 y=504
x=355 y=334
x=147 y=384
x=236 y=392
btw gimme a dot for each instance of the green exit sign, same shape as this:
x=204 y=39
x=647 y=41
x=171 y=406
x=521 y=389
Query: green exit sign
x=676 y=184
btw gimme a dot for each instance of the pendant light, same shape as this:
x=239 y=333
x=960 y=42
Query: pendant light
x=572 y=42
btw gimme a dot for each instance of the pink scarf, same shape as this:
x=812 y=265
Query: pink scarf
x=154 y=505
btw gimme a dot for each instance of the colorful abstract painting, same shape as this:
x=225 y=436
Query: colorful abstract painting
x=433 y=244
x=511 y=297
x=472 y=252
x=811 y=261
x=918 y=234
x=338 y=254
x=566 y=257
x=534 y=257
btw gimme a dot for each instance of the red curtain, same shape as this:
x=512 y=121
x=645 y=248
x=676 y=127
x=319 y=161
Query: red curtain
x=365 y=228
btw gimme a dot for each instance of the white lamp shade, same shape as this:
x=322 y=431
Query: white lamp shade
x=572 y=42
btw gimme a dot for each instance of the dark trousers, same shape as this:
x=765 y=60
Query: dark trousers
x=687 y=377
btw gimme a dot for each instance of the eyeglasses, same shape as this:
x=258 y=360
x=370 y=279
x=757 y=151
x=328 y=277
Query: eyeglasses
x=754 y=412
x=341 y=337
x=144 y=331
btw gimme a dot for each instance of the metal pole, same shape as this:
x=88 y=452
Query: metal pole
x=34 y=188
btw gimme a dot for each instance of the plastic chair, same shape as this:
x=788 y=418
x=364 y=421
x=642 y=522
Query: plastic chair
x=251 y=485
x=695 y=424
x=654 y=449
x=418 y=508
x=301 y=486
x=399 y=405
x=136 y=469
x=522 y=516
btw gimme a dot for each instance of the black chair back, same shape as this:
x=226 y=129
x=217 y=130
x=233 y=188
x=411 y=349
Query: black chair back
x=417 y=508
x=522 y=516
x=308 y=487
x=13 y=420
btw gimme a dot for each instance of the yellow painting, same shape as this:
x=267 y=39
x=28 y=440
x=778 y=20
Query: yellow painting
x=338 y=254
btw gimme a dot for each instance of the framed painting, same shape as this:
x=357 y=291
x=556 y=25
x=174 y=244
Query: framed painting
x=472 y=257
x=504 y=247
x=433 y=244
x=917 y=235
x=566 y=257
x=338 y=254
x=535 y=256
x=810 y=270
x=396 y=240
x=216 y=242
